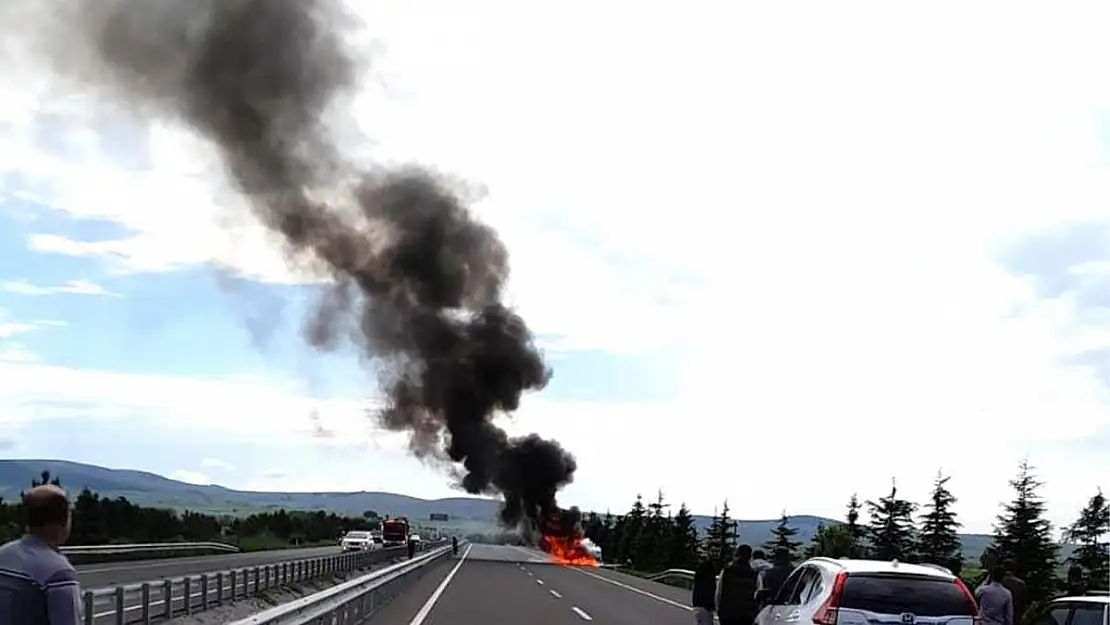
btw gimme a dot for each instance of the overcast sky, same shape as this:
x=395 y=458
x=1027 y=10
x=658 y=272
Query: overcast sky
x=776 y=253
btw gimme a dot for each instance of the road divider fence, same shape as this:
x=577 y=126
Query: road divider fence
x=88 y=554
x=169 y=598
x=355 y=600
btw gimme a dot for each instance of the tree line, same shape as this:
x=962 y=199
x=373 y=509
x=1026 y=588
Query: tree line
x=650 y=538
x=101 y=520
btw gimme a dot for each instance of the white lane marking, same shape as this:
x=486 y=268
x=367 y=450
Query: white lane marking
x=582 y=613
x=555 y=594
x=431 y=602
x=540 y=582
x=633 y=589
x=534 y=556
x=528 y=572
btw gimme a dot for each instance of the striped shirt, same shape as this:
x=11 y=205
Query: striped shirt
x=38 y=585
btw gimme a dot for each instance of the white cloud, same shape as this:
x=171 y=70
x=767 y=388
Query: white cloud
x=73 y=287
x=805 y=212
x=694 y=451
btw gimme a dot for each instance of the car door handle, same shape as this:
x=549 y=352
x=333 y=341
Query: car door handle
x=776 y=614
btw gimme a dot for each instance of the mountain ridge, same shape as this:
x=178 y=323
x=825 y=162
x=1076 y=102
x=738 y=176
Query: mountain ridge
x=151 y=489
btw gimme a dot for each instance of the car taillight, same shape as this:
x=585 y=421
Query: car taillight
x=970 y=600
x=826 y=614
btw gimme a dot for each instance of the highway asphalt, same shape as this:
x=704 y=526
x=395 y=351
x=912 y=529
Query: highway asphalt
x=490 y=584
x=94 y=576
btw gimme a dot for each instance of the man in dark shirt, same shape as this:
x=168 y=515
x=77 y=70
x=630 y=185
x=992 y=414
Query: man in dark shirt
x=736 y=588
x=705 y=588
x=1018 y=589
x=38 y=585
x=771 y=580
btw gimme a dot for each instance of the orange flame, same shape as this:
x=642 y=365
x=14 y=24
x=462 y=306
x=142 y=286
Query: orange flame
x=568 y=551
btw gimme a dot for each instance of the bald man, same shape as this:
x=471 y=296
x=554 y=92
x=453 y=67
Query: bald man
x=38 y=585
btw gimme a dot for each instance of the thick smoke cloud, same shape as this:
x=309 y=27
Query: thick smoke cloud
x=410 y=263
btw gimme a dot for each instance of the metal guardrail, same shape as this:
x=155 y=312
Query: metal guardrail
x=353 y=601
x=169 y=598
x=683 y=573
x=145 y=548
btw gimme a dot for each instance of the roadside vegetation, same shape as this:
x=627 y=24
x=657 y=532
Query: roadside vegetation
x=649 y=538
x=102 y=521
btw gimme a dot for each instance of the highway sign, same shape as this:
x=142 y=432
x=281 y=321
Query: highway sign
x=436 y=516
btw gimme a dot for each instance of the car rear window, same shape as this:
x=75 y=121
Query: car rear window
x=897 y=594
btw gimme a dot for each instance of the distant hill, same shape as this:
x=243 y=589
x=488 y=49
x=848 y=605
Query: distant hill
x=150 y=489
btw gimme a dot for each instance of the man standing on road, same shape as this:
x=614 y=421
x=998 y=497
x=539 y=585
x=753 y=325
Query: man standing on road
x=771 y=580
x=736 y=590
x=996 y=604
x=38 y=585
x=455 y=546
x=1018 y=590
x=759 y=561
x=703 y=599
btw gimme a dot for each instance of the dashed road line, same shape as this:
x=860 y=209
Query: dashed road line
x=555 y=594
x=633 y=589
x=582 y=613
x=540 y=582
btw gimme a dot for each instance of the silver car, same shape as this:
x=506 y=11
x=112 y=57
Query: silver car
x=357 y=541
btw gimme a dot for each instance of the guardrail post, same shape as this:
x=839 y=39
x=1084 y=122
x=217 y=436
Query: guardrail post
x=257 y=581
x=188 y=598
x=234 y=576
x=89 y=608
x=284 y=573
x=120 y=613
x=167 y=598
x=220 y=587
x=203 y=592
x=146 y=603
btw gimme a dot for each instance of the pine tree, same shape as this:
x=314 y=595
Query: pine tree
x=939 y=540
x=831 y=541
x=782 y=543
x=856 y=532
x=891 y=528
x=720 y=541
x=651 y=550
x=1090 y=533
x=634 y=524
x=1023 y=536
x=684 y=540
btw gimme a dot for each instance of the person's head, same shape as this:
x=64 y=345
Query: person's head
x=1009 y=567
x=998 y=573
x=743 y=554
x=706 y=567
x=46 y=509
x=759 y=555
x=782 y=557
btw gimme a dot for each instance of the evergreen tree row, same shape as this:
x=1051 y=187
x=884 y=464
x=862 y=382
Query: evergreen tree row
x=650 y=538
x=100 y=520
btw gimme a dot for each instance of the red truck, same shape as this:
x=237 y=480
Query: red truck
x=395 y=532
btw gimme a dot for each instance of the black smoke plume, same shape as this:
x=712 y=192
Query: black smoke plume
x=421 y=277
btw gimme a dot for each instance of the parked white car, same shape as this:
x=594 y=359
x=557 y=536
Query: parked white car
x=828 y=591
x=357 y=541
x=1093 y=609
